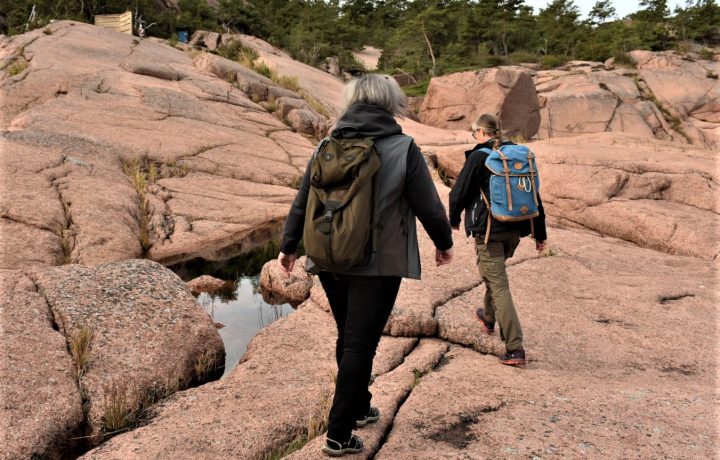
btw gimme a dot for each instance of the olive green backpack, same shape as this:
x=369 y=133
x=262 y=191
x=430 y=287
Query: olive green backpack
x=339 y=214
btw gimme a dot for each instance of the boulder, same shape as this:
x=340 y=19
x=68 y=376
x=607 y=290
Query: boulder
x=41 y=407
x=205 y=283
x=209 y=40
x=293 y=288
x=455 y=101
x=148 y=337
x=287 y=372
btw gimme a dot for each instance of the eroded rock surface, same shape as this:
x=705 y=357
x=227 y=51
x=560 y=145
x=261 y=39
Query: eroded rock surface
x=40 y=403
x=454 y=101
x=107 y=139
x=664 y=96
x=149 y=337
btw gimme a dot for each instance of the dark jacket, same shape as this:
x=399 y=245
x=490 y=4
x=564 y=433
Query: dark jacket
x=419 y=194
x=465 y=195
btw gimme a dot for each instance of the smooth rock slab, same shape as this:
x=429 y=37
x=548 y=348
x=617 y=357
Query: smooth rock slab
x=473 y=407
x=148 y=330
x=389 y=391
x=40 y=404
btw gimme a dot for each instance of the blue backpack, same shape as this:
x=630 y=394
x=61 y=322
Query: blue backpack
x=514 y=185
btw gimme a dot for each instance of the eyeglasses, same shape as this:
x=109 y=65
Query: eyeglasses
x=475 y=131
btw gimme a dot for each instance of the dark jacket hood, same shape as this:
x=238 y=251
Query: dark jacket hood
x=365 y=120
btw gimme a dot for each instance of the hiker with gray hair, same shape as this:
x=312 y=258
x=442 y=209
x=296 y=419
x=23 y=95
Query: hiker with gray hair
x=497 y=234
x=366 y=174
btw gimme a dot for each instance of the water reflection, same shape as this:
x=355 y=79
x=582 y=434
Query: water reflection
x=242 y=311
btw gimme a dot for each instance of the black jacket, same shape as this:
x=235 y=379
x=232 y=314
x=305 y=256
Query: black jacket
x=363 y=120
x=465 y=195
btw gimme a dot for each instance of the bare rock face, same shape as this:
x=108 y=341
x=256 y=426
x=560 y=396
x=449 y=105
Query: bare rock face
x=205 y=283
x=293 y=288
x=40 y=403
x=655 y=194
x=577 y=329
x=665 y=97
x=369 y=57
x=287 y=372
x=455 y=101
x=109 y=140
x=149 y=337
x=323 y=88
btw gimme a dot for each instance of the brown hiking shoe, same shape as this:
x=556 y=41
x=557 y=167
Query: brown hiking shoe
x=487 y=326
x=514 y=358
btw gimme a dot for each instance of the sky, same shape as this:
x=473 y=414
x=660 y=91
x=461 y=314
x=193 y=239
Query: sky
x=622 y=7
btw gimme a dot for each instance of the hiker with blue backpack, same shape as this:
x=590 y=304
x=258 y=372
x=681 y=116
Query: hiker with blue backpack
x=498 y=188
x=355 y=212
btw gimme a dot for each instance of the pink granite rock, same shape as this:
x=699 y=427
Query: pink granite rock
x=455 y=101
x=666 y=96
x=293 y=288
x=41 y=408
x=654 y=194
x=149 y=335
x=586 y=313
x=205 y=283
x=83 y=123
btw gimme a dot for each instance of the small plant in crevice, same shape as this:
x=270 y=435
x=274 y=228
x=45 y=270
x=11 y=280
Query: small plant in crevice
x=80 y=342
x=205 y=363
x=17 y=67
x=418 y=374
x=316 y=426
x=119 y=409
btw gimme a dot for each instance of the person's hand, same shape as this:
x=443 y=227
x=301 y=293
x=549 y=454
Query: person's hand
x=540 y=245
x=287 y=261
x=443 y=257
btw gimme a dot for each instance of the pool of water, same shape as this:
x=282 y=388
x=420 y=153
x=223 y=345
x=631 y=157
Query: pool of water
x=239 y=309
x=242 y=312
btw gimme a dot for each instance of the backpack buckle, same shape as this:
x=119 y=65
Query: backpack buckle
x=328 y=216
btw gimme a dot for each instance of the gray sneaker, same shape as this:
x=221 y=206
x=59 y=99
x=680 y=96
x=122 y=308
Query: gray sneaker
x=338 y=449
x=372 y=415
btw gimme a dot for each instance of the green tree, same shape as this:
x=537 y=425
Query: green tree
x=559 y=27
x=601 y=12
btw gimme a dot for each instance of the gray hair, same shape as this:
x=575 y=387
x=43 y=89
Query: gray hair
x=375 y=89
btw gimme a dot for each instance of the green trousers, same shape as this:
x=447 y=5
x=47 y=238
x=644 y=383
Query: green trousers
x=498 y=304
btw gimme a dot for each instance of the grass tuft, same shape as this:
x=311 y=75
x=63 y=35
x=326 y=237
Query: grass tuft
x=317 y=425
x=120 y=408
x=80 y=342
x=17 y=67
x=205 y=363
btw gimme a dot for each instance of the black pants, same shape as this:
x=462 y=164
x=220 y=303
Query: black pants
x=361 y=306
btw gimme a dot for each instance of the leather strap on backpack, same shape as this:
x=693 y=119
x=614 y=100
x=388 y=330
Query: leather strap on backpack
x=489 y=222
